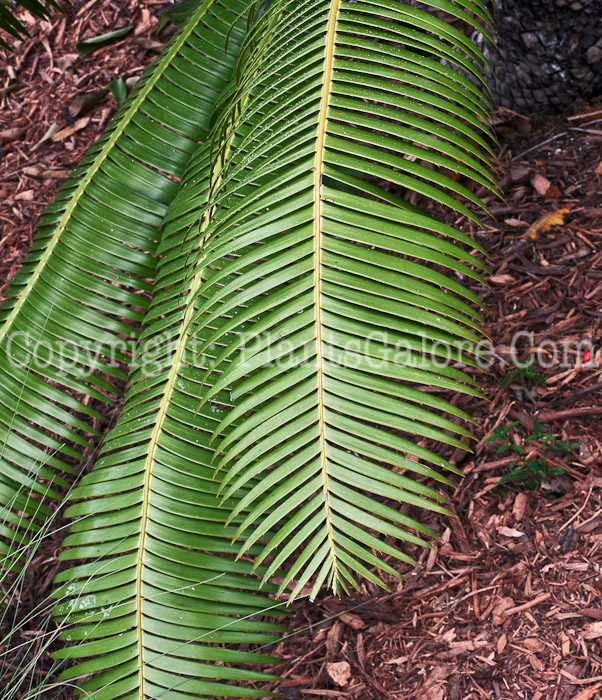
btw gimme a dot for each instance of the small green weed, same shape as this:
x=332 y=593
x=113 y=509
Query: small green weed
x=533 y=471
x=526 y=373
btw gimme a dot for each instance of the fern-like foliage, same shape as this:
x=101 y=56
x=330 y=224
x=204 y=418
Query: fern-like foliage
x=284 y=403
x=337 y=304
x=159 y=585
x=75 y=307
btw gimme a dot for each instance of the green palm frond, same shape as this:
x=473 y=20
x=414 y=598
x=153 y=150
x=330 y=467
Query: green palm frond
x=75 y=307
x=336 y=305
x=159 y=584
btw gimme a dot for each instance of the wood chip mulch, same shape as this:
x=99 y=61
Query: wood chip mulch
x=508 y=604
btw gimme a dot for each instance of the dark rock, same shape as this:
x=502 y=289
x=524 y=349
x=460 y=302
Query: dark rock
x=530 y=39
x=594 y=54
x=550 y=53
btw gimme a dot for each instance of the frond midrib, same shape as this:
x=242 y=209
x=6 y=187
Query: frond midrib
x=183 y=336
x=318 y=172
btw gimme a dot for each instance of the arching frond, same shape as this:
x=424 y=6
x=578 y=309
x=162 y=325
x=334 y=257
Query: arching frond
x=159 y=585
x=337 y=306
x=285 y=396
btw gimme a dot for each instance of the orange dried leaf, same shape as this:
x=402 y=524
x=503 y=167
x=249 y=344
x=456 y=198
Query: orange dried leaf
x=545 y=223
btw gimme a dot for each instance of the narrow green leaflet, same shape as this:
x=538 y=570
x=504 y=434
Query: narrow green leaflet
x=337 y=308
x=73 y=311
x=9 y=22
x=88 y=46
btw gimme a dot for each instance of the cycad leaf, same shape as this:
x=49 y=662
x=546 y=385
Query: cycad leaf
x=330 y=296
x=160 y=582
x=73 y=312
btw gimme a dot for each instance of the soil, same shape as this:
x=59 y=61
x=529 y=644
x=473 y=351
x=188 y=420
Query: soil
x=507 y=604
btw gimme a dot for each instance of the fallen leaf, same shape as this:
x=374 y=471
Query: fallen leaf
x=37 y=171
x=520 y=505
x=50 y=132
x=545 y=223
x=149 y=44
x=510 y=532
x=516 y=223
x=541 y=184
x=502 y=279
x=544 y=187
x=33 y=170
x=88 y=46
x=26 y=196
x=70 y=130
x=340 y=672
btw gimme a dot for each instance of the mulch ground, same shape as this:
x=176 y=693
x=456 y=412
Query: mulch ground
x=508 y=603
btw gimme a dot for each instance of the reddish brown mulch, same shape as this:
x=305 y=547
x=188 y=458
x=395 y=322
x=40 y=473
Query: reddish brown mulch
x=508 y=605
